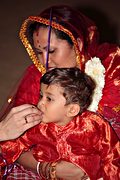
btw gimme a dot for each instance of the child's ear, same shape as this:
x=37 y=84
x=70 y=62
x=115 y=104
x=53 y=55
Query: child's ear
x=73 y=110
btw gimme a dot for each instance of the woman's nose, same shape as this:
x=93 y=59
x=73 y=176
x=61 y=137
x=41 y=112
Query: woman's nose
x=44 y=56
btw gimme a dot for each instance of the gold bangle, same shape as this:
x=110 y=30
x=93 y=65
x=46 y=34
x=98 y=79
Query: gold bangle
x=47 y=170
x=41 y=174
x=53 y=171
x=44 y=170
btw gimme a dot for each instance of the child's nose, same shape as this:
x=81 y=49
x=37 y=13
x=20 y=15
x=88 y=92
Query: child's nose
x=40 y=103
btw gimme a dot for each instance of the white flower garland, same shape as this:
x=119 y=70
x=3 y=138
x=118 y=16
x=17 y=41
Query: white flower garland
x=96 y=71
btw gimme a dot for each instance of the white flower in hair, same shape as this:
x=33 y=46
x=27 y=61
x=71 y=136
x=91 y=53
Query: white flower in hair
x=96 y=70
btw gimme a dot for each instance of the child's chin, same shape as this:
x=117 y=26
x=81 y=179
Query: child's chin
x=45 y=121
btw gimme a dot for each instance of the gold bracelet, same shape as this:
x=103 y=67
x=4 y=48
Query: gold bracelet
x=44 y=170
x=47 y=170
x=53 y=171
x=41 y=173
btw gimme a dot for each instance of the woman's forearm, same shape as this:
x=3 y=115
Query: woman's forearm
x=28 y=161
x=68 y=171
x=64 y=170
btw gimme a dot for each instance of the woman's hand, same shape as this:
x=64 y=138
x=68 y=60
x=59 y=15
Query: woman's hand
x=68 y=171
x=18 y=120
x=60 y=170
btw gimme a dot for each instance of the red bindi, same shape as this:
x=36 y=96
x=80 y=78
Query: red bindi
x=37 y=32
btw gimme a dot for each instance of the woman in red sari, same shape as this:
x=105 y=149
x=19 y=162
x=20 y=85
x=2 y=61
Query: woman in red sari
x=75 y=37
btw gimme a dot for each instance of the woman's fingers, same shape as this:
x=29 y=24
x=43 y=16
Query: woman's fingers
x=20 y=113
x=31 y=122
x=27 y=113
x=32 y=118
x=19 y=120
x=18 y=109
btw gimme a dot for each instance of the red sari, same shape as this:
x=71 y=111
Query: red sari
x=77 y=26
x=87 y=141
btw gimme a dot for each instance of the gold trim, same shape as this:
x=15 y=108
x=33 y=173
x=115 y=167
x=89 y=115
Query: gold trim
x=29 y=48
x=116 y=108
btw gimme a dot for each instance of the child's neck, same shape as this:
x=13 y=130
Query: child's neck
x=64 y=122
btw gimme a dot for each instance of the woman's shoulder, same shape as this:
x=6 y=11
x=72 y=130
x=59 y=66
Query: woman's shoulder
x=31 y=73
x=106 y=49
x=33 y=69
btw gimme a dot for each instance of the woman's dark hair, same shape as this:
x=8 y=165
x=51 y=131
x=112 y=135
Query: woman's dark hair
x=59 y=34
x=72 y=20
x=77 y=86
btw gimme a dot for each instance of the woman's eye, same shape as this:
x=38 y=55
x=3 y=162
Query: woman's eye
x=39 y=53
x=51 y=51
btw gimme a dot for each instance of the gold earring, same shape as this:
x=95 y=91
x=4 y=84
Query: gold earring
x=78 y=60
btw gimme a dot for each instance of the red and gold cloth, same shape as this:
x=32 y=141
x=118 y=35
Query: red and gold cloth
x=83 y=28
x=77 y=26
x=87 y=141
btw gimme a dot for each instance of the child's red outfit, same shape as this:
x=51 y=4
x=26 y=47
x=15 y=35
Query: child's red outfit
x=87 y=141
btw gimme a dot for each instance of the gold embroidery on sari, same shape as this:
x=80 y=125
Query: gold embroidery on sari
x=116 y=108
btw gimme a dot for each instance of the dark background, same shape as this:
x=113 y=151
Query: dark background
x=13 y=57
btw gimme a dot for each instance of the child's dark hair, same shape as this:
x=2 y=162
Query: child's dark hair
x=77 y=86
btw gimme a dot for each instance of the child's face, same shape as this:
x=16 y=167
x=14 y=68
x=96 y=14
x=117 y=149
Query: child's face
x=52 y=104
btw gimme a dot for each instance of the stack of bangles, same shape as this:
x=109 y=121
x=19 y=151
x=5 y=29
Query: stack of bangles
x=47 y=170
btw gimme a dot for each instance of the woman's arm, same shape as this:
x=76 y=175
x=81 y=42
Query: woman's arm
x=68 y=171
x=28 y=161
x=64 y=170
x=15 y=124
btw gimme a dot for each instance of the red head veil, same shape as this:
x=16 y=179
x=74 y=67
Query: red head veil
x=69 y=21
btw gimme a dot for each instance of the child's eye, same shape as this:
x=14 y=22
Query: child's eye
x=49 y=99
x=41 y=96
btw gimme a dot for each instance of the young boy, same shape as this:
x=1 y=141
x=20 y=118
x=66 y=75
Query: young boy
x=68 y=131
